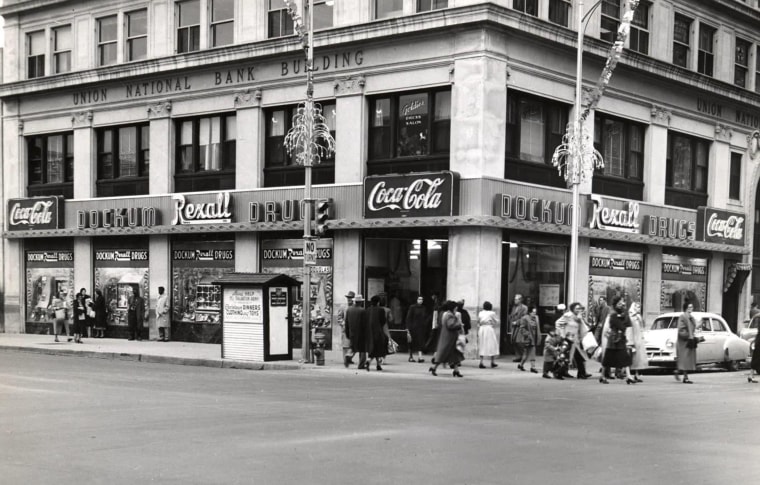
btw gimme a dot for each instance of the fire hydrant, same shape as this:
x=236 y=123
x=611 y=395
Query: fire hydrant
x=319 y=348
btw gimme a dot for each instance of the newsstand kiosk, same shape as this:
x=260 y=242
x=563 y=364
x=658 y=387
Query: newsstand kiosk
x=256 y=316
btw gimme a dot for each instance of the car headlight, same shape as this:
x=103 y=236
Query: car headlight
x=669 y=344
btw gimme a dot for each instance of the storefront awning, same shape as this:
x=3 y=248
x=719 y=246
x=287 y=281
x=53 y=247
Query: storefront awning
x=735 y=276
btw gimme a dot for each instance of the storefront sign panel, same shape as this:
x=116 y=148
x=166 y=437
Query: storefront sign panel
x=720 y=226
x=243 y=305
x=119 y=217
x=412 y=195
x=35 y=213
x=215 y=212
x=533 y=209
x=609 y=219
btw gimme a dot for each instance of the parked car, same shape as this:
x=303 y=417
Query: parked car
x=720 y=345
x=748 y=333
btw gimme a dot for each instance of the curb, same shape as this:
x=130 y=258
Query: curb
x=157 y=359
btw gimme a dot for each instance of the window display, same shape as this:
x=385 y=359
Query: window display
x=684 y=279
x=49 y=275
x=119 y=273
x=612 y=274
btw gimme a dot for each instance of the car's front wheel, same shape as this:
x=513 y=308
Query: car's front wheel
x=731 y=365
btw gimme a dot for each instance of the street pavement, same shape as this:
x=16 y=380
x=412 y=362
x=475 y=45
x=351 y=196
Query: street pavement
x=110 y=420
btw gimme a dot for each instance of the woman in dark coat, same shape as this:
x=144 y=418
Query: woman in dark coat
x=99 y=304
x=80 y=316
x=686 y=355
x=754 y=367
x=417 y=319
x=447 y=352
x=379 y=334
x=616 y=353
x=356 y=331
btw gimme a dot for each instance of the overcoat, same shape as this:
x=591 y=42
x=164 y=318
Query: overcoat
x=356 y=330
x=447 y=352
x=417 y=324
x=686 y=358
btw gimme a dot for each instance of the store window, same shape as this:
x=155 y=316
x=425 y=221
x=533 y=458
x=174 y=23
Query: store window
x=614 y=273
x=280 y=167
x=388 y=8
x=51 y=164
x=410 y=132
x=188 y=26
x=621 y=143
x=123 y=160
x=639 y=35
x=529 y=7
x=684 y=280
x=535 y=127
x=610 y=20
x=61 y=49
x=206 y=152
x=682 y=40
x=107 y=40
x=687 y=170
x=741 y=62
x=735 y=177
x=559 y=12
x=706 y=47
x=49 y=268
x=279 y=21
x=35 y=54
x=426 y=5
x=222 y=22
x=137 y=35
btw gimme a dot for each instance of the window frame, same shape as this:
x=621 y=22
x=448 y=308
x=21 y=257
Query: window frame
x=103 y=44
x=552 y=137
x=695 y=143
x=627 y=149
x=638 y=39
x=213 y=24
x=528 y=7
x=559 y=12
x=44 y=186
x=609 y=33
x=735 y=176
x=390 y=14
x=678 y=43
x=741 y=70
x=56 y=52
x=431 y=5
x=706 y=58
x=228 y=161
x=129 y=39
x=277 y=10
x=194 y=30
x=35 y=63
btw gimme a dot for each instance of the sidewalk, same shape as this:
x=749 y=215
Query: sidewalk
x=206 y=355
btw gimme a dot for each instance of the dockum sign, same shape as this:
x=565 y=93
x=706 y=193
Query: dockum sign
x=35 y=213
x=412 y=195
x=719 y=226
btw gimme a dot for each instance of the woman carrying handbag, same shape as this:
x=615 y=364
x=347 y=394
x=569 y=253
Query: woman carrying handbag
x=447 y=351
x=686 y=344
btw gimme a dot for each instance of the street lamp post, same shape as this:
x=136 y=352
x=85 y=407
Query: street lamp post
x=302 y=140
x=577 y=155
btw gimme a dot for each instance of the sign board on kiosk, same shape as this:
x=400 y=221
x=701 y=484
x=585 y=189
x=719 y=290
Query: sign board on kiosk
x=257 y=316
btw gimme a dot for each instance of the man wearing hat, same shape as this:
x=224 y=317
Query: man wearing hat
x=348 y=354
x=356 y=331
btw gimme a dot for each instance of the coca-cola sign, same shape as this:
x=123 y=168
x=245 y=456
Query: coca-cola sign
x=720 y=226
x=411 y=195
x=35 y=213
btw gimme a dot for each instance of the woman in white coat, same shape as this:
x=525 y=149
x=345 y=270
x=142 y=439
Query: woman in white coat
x=637 y=344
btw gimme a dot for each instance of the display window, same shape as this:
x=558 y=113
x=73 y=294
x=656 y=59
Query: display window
x=119 y=272
x=49 y=278
x=684 y=280
x=195 y=266
x=614 y=273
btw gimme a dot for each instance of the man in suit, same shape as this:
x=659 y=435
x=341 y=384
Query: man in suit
x=162 y=315
x=519 y=310
x=356 y=331
x=135 y=313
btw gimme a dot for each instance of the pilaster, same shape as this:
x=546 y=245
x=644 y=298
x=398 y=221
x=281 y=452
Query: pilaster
x=718 y=172
x=83 y=267
x=347 y=274
x=351 y=119
x=84 y=149
x=249 y=164
x=715 y=278
x=159 y=269
x=161 y=148
x=247 y=252
x=655 y=154
x=650 y=307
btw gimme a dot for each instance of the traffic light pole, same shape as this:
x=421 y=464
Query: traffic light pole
x=309 y=160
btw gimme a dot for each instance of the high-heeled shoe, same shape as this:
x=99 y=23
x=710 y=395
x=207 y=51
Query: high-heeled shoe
x=481 y=366
x=411 y=359
x=494 y=365
x=750 y=379
x=457 y=374
x=432 y=371
x=520 y=366
x=630 y=381
x=533 y=370
x=637 y=379
x=379 y=367
x=602 y=380
x=687 y=381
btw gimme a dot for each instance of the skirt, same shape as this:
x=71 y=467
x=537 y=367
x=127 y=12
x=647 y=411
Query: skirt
x=617 y=358
x=686 y=358
x=488 y=345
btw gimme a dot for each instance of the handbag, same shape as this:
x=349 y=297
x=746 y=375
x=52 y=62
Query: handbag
x=392 y=346
x=91 y=313
x=589 y=342
x=461 y=342
x=692 y=343
x=60 y=314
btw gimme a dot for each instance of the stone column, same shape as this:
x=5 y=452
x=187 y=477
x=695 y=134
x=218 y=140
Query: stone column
x=84 y=159
x=652 y=284
x=351 y=120
x=718 y=170
x=715 y=283
x=14 y=284
x=655 y=155
x=347 y=276
x=160 y=271
x=84 y=269
x=12 y=255
x=478 y=117
x=247 y=252
x=474 y=273
x=161 y=149
x=249 y=164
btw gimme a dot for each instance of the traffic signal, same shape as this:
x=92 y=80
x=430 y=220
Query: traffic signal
x=323 y=215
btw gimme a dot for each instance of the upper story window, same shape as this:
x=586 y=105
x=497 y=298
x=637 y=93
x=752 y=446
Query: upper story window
x=280 y=167
x=222 y=22
x=323 y=13
x=279 y=21
x=388 y=8
x=640 y=29
x=206 y=153
x=735 y=177
x=706 y=47
x=188 y=26
x=51 y=162
x=741 y=62
x=687 y=162
x=535 y=127
x=123 y=156
x=529 y=7
x=681 y=40
x=426 y=5
x=107 y=40
x=621 y=144
x=610 y=20
x=137 y=35
x=35 y=54
x=61 y=49
x=559 y=12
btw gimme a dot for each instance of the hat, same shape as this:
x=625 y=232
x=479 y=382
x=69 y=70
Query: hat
x=359 y=297
x=350 y=294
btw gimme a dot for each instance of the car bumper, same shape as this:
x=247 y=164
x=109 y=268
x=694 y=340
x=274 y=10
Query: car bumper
x=660 y=358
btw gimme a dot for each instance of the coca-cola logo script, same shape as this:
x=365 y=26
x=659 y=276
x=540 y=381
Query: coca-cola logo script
x=717 y=225
x=36 y=213
x=425 y=194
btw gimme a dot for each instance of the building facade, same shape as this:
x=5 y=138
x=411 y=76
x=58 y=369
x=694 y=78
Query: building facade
x=144 y=147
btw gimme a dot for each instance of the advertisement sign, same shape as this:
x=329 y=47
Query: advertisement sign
x=609 y=219
x=411 y=195
x=720 y=226
x=243 y=305
x=36 y=213
x=216 y=212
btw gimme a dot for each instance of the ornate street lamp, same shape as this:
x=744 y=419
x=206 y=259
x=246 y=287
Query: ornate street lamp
x=576 y=156
x=303 y=142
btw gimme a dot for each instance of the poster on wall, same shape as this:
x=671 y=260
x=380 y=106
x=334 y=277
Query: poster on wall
x=243 y=305
x=49 y=276
x=285 y=256
x=195 y=299
x=120 y=273
x=684 y=280
x=613 y=274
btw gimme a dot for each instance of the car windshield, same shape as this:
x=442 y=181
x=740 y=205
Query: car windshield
x=664 y=322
